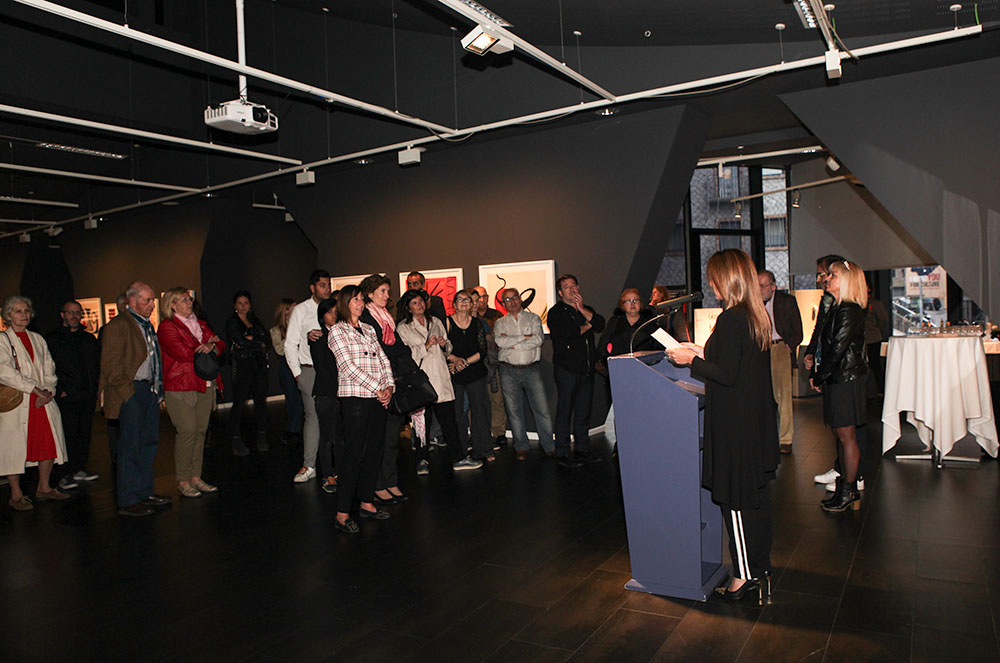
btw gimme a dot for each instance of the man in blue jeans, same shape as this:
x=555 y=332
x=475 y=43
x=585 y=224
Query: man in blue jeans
x=573 y=326
x=519 y=337
x=132 y=383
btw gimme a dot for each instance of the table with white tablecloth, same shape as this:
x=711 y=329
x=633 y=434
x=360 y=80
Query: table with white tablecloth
x=942 y=385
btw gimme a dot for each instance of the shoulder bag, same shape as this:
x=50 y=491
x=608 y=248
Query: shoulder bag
x=10 y=397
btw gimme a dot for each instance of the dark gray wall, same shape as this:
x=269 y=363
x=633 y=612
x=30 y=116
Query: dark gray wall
x=929 y=160
x=846 y=219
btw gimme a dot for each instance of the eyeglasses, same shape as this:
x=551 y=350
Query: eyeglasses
x=463 y=300
x=511 y=299
x=631 y=301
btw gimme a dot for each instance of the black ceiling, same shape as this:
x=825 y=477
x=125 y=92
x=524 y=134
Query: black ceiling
x=399 y=54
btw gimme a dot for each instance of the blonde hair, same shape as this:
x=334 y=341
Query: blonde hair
x=734 y=275
x=279 y=315
x=167 y=301
x=853 y=287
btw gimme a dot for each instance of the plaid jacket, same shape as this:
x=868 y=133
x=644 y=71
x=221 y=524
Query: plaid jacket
x=362 y=366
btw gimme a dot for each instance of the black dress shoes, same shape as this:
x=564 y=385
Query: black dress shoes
x=347 y=527
x=377 y=514
x=136 y=510
x=570 y=461
x=157 y=501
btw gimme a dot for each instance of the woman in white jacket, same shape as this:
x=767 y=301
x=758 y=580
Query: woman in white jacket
x=425 y=336
x=31 y=433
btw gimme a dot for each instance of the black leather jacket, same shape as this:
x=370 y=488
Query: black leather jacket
x=842 y=353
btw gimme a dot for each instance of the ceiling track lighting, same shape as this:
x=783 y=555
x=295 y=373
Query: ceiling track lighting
x=90 y=223
x=24 y=238
x=53 y=231
x=486 y=13
x=82 y=150
x=36 y=201
x=796 y=198
x=410 y=156
x=738 y=210
x=305 y=178
x=482 y=40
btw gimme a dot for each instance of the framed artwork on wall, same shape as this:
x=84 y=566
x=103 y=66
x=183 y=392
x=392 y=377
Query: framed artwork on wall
x=91 y=314
x=535 y=280
x=338 y=282
x=441 y=282
x=110 y=311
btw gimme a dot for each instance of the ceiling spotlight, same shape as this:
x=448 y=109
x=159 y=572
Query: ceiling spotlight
x=607 y=111
x=305 y=178
x=796 y=198
x=738 y=210
x=24 y=238
x=289 y=218
x=832 y=164
x=410 y=156
x=364 y=161
x=486 y=13
x=482 y=40
x=53 y=231
x=90 y=223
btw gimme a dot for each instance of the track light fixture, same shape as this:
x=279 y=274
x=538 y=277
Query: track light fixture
x=738 y=210
x=482 y=40
x=305 y=178
x=796 y=198
x=90 y=223
x=24 y=238
x=410 y=156
x=53 y=231
x=832 y=164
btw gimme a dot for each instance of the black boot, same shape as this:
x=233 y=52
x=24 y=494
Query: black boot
x=847 y=495
x=239 y=449
x=833 y=496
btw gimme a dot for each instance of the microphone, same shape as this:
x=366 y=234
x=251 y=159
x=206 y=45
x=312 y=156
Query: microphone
x=676 y=302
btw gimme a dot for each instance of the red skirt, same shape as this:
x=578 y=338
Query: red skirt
x=41 y=443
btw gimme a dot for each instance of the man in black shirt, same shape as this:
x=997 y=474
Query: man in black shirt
x=573 y=326
x=75 y=353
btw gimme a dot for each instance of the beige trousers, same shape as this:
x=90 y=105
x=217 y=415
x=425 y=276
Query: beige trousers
x=189 y=412
x=781 y=383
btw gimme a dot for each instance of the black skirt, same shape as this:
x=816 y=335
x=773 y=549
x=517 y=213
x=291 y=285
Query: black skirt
x=844 y=404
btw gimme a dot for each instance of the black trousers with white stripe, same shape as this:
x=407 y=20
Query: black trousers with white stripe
x=750 y=537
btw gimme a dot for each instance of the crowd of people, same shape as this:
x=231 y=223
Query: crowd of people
x=342 y=354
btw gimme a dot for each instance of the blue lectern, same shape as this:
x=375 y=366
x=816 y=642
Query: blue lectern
x=674 y=528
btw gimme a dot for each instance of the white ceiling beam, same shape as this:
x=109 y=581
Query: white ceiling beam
x=253 y=72
x=468 y=12
x=535 y=117
x=27 y=222
x=95 y=178
x=139 y=133
x=36 y=201
x=751 y=156
x=794 y=187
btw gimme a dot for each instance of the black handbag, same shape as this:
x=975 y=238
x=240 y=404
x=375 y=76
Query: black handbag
x=413 y=391
x=206 y=365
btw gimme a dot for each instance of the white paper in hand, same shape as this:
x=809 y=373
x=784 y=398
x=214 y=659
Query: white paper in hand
x=665 y=339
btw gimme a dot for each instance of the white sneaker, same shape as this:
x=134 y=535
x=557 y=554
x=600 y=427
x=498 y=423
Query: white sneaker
x=85 y=475
x=831 y=487
x=826 y=477
x=466 y=464
x=305 y=474
x=67 y=483
x=423 y=468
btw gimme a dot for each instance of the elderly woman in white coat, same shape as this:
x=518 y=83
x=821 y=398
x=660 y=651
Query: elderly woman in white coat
x=428 y=342
x=31 y=433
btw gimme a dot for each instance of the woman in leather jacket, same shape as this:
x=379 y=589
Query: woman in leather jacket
x=247 y=340
x=840 y=374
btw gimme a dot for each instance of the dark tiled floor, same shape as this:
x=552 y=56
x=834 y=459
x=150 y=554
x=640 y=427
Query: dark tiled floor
x=519 y=562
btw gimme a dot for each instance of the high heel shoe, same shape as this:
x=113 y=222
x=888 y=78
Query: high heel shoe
x=753 y=584
x=847 y=495
x=832 y=499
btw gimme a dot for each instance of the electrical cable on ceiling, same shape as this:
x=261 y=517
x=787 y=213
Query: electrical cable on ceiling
x=326 y=68
x=689 y=93
x=562 y=39
x=395 y=86
x=455 y=43
x=579 y=60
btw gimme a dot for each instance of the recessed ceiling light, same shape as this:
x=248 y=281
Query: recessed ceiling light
x=82 y=150
x=364 y=161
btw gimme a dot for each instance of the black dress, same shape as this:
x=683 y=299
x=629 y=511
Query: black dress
x=741 y=425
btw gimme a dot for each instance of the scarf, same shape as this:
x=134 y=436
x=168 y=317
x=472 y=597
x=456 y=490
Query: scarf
x=153 y=346
x=385 y=321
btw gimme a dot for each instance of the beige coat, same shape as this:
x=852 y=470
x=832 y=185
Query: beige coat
x=39 y=373
x=434 y=362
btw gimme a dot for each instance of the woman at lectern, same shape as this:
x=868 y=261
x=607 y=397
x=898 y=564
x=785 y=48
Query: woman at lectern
x=840 y=375
x=741 y=434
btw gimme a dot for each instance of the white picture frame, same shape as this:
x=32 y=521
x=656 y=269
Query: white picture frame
x=536 y=275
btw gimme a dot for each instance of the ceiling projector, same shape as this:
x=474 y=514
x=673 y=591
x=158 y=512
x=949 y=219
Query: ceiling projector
x=241 y=117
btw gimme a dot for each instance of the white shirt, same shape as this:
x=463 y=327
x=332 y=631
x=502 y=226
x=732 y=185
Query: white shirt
x=302 y=321
x=509 y=334
x=769 y=307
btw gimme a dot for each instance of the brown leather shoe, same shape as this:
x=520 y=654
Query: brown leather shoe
x=54 y=494
x=21 y=504
x=785 y=448
x=522 y=454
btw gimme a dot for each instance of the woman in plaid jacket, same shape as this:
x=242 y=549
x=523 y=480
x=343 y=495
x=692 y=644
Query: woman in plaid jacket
x=365 y=388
